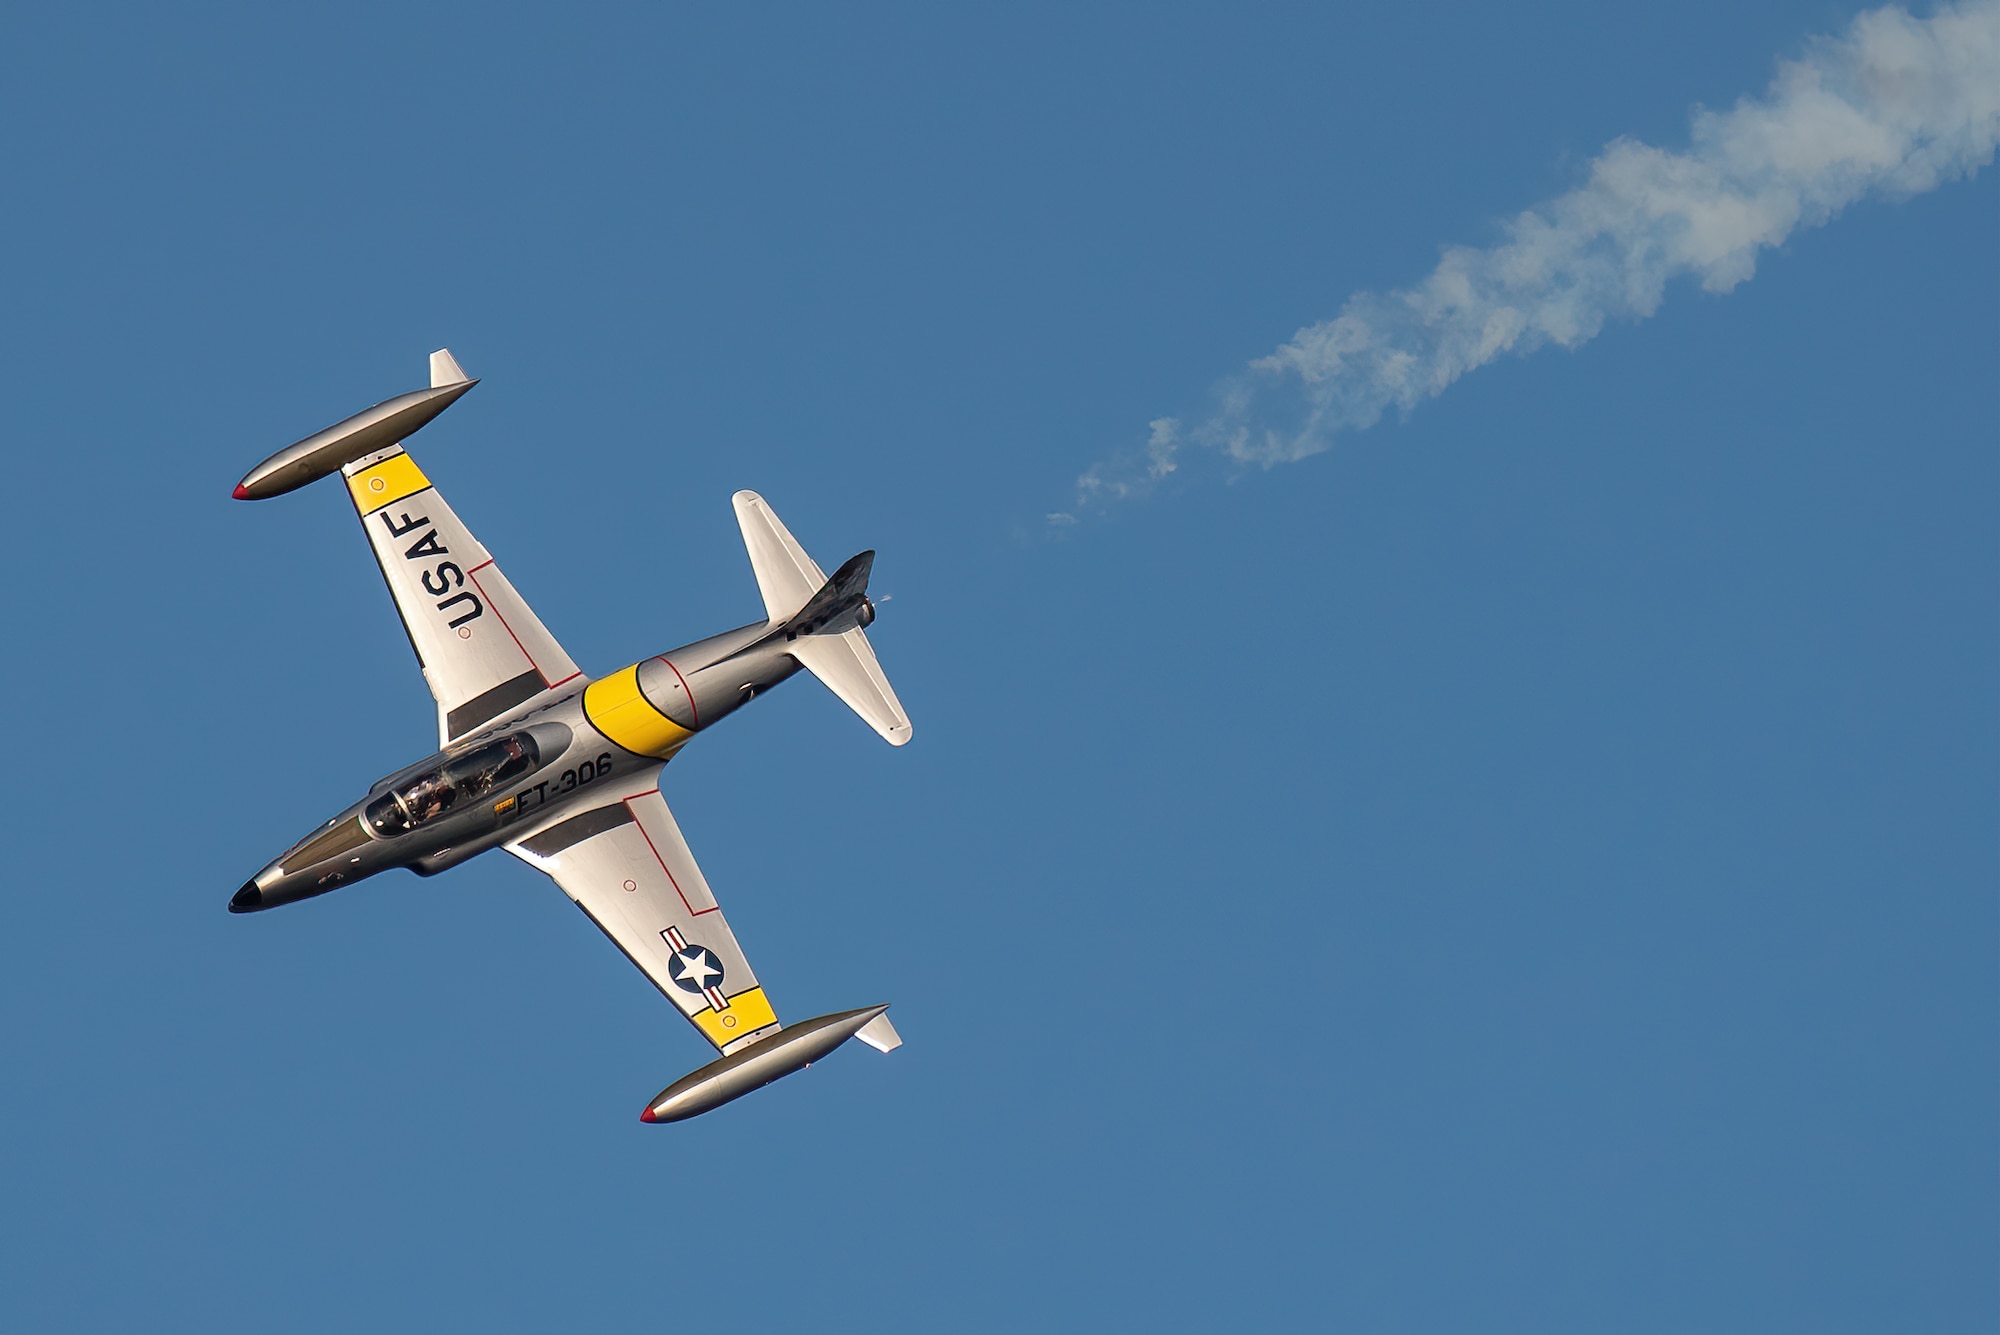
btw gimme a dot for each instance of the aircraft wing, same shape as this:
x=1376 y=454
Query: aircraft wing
x=627 y=866
x=482 y=649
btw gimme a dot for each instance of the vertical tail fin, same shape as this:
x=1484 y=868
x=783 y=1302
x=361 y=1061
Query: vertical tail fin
x=844 y=662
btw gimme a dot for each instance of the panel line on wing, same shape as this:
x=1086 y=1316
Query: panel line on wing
x=692 y=910
x=488 y=603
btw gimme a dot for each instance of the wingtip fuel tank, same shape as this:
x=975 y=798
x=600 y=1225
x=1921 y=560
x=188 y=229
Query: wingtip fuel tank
x=792 y=1048
x=373 y=429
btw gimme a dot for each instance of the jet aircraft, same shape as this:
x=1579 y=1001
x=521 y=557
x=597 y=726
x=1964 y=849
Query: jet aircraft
x=563 y=770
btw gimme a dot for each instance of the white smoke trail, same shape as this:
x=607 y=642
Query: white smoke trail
x=1893 y=108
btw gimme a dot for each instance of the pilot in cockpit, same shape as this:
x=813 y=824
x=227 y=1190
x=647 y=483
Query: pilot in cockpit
x=430 y=798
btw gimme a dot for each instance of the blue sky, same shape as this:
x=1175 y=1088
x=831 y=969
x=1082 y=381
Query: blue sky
x=1529 y=867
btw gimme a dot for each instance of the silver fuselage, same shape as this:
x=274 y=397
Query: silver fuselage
x=523 y=771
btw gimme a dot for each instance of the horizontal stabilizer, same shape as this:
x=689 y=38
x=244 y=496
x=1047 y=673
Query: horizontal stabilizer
x=835 y=650
x=786 y=576
x=845 y=665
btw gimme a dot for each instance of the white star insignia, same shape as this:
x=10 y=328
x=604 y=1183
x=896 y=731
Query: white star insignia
x=695 y=967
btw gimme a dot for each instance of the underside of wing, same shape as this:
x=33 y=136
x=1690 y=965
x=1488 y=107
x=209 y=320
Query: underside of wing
x=627 y=866
x=483 y=651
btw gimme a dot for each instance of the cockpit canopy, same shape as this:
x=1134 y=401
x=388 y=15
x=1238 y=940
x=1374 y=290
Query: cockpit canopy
x=453 y=786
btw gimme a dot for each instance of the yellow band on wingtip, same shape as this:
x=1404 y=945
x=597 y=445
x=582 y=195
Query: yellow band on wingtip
x=615 y=708
x=386 y=483
x=746 y=1013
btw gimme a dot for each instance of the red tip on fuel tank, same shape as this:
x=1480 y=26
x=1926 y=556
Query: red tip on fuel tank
x=239 y=494
x=646 y=1113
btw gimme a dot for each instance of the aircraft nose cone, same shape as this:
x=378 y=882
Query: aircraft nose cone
x=247 y=899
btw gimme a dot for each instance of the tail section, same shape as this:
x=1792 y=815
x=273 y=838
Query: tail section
x=821 y=618
x=841 y=603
